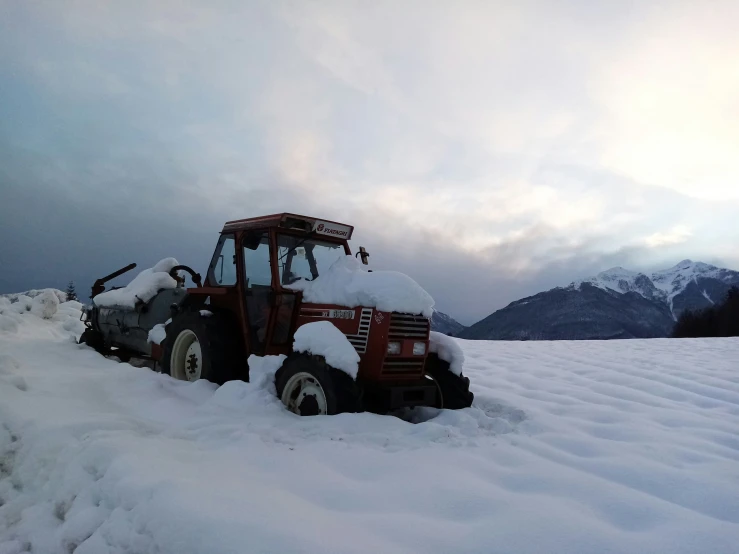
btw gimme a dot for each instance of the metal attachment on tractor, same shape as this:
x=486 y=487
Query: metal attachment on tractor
x=99 y=285
x=363 y=254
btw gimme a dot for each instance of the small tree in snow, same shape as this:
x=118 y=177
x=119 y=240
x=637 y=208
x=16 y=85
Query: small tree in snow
x=71 y=293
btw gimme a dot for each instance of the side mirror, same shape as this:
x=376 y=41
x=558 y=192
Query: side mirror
x=363 y=254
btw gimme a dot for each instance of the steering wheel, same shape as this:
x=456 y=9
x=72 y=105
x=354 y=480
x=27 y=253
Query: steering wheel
x=194 y=276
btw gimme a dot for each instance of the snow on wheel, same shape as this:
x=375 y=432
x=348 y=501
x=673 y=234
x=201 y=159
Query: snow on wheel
x=187 y=357
x=444 y=366
x=307 y=385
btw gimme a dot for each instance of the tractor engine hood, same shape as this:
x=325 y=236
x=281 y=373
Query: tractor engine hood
x=348 y=283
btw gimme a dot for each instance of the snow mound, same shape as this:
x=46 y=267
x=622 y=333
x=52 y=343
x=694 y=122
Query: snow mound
x=33 y=293
x=447 y=349
x=20 y=310
x=322 y=338
x=348 y=283
x=8 y=316
x=73 y=304
x=142 y=289
x=22 y=304
x=8 y=324
x=45 y=304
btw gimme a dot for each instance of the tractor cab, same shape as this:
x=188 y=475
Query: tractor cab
x=255 y=262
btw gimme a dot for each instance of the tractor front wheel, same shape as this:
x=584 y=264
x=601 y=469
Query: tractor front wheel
x=454 y=389
x=307 y=385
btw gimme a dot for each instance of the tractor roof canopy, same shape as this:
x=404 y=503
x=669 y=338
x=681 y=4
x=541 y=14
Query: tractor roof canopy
x=292 y=222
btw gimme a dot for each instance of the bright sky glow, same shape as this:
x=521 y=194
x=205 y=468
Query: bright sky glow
x=488 y=149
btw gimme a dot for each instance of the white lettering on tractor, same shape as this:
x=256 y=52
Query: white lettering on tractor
x=331 y=229
x=342 y=314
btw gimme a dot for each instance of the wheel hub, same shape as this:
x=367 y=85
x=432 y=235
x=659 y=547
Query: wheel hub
x=308 y=405
x=186 y=363
x=303 y=395
x=193 y=362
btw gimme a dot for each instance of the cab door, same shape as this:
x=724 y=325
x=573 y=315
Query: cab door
x=257 y=290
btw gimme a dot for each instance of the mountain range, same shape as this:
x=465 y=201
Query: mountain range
x=446 y=324
x=614 y=304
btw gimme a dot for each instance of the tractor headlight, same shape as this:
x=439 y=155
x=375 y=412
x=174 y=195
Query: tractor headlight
x=393 y=348
x=419 y=348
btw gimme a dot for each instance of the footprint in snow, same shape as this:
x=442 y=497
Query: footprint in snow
x=495 y=409
x=8 y=364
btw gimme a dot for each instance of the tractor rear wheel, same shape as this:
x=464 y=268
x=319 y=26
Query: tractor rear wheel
x=94 y=340
x=307 y=385
x=199 y=347
x=454 y=389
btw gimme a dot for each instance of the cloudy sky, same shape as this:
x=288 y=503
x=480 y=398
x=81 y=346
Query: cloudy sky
x=488 y=149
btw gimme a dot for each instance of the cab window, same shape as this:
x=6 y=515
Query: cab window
x=222 y=270
x=256 y=261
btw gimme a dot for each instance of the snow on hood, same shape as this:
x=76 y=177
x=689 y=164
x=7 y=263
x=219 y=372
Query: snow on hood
x=142 y=289
x=347 y=283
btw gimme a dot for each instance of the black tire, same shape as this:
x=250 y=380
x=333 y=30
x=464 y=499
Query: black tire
x=222 y=359
x=341 y=391
x=94 y=340
x=455 y=389
x=123 y=355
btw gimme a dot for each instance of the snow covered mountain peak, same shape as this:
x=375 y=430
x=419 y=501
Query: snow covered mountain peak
x=663 y=285
x=618 y=270
x=621 y=280
x=689 y=266
x=674 y=280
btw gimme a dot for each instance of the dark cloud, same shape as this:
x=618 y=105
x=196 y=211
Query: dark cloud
x=131 y=132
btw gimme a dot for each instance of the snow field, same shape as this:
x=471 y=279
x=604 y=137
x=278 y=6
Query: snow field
x=570 y=447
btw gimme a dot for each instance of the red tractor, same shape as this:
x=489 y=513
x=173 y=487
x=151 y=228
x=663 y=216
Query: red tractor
x=247 y=307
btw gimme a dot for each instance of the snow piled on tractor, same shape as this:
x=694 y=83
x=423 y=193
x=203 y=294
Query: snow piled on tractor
x=348 y=283
x=569 y=447
x=322 y=338
x=143 y=287
x=448 y=350
x=159 y=332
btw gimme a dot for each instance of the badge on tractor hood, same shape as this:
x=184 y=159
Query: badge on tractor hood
x=341 y=314
x=332 y=229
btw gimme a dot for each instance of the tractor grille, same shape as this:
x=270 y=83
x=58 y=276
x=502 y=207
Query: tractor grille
x=403 y=366
x=359 y=341
x=406 y=326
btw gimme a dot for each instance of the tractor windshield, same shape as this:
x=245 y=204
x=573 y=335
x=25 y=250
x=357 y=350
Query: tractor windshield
x=305 y=258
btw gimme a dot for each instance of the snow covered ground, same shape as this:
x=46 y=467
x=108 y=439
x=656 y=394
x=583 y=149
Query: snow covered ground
x=582 y=447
